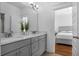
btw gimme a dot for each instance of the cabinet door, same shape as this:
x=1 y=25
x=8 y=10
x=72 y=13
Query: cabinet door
x=34 y=39
x=42 y=46
x=25 y=51
x=35 y=47
x=13 y=53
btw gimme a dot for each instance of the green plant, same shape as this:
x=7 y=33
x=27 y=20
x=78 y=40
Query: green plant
x=22 y=27
x=26 y=26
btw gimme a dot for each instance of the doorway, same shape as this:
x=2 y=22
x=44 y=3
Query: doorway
x=63 y=31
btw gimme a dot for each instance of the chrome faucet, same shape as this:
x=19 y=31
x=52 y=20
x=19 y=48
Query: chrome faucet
x=8 y=34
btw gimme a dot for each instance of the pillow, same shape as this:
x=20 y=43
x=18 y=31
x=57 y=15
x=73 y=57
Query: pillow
x=63 y=31
x=66 y=31
x=69 y=31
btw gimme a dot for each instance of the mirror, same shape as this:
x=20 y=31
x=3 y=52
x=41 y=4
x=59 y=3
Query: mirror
x=2 y=22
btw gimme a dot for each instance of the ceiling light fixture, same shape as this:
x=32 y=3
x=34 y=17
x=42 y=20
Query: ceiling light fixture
x=33 y=5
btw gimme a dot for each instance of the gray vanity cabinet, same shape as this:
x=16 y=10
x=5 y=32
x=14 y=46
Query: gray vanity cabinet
x=13 y=53
x=18 y=48
x=34 y=46
x=42 y=45
x=25 y=51
x=39 y=45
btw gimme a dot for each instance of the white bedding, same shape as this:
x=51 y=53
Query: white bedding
x=65 y=35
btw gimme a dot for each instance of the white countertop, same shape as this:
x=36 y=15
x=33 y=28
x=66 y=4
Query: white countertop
x=4 y=41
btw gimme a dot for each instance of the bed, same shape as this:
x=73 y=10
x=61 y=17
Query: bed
x=64 y=36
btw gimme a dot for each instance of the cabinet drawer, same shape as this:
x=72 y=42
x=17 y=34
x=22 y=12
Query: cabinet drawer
x=34 y=39
x=12 y=46
x=35 y=47
x=8 y=47
x=23 y=43
x=13 y=53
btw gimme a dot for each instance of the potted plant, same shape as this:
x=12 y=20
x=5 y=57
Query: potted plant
x=26 y=26
x=22 y=26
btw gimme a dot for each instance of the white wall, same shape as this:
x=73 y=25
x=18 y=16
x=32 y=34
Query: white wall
x=63 y=17
x=12 y=13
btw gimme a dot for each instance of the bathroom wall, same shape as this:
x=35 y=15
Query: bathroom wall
x=12 y=13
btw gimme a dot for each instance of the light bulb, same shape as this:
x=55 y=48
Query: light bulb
x=37 y=6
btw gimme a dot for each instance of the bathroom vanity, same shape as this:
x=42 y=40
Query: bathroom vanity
x=25 y=45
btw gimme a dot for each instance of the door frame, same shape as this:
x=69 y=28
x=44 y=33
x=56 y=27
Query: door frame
x=61 y=7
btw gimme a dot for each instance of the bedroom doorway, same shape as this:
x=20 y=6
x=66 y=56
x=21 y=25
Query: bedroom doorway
x=63 y=31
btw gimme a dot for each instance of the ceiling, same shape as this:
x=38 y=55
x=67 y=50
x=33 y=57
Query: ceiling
x=26 y=4
x=19 y=4
x=64 y=11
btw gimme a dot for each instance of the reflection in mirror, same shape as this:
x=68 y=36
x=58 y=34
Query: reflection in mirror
x=1 y=23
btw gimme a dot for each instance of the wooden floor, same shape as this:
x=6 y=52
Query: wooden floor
x=62 y=49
